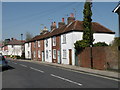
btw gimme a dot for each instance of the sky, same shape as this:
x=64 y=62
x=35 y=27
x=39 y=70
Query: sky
x=21 y=17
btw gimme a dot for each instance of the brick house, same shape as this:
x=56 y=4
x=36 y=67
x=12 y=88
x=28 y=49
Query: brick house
x=36 y=47
x=59 y=42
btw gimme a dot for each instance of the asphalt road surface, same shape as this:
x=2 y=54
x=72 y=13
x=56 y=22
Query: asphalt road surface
x=22 y=74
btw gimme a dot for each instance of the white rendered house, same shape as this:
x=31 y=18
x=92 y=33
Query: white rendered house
x=48 y=49
x=28 y=50
x=73 y=32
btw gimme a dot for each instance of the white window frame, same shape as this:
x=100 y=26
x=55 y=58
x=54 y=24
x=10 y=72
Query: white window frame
x=46 y=54
x=39 y=53
x=46 y=42
x=64 y=38
x=64 y=53
x=28 y=54
x=54 y=41
x=54 y=53
x=28 y=45
x=38 y=43
x=35 y=44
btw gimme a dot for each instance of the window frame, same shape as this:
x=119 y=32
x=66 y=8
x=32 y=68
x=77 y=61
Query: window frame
x=54 y=40
x=64 y=38
x=64 y=53
x=54 y=54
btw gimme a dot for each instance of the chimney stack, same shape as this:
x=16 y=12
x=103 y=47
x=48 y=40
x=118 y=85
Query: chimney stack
x=71 y=18
x=53 y=26
x=60 y=24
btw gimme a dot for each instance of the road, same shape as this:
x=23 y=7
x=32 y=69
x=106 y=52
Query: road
x=22 y=74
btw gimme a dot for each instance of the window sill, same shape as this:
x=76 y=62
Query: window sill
x=64 y=58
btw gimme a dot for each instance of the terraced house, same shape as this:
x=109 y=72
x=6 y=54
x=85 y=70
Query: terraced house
x=58 y=44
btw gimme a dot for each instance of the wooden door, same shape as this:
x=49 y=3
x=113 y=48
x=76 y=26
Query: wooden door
x=70 y=56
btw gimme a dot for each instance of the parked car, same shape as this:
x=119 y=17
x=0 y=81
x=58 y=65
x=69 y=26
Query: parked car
x=3 y=62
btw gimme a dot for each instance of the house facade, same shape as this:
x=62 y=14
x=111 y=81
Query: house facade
x=59 y=42
x=28 y=50
x=13 y=47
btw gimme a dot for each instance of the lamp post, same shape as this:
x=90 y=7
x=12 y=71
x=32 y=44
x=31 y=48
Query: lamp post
x=21 y=37
x=91 y=57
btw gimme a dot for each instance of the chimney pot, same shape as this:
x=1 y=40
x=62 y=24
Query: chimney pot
x=62 y=19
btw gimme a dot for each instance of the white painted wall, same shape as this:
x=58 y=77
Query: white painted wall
x=49 y=48
x=16 y=50
x=28 y=49
x=72 y=37
x=103 y=37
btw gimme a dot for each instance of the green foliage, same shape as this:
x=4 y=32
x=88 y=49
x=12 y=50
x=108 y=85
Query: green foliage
x=116 y=41
x=80 y=45
x=28 y=36
x=100 y=44
x=88 y=33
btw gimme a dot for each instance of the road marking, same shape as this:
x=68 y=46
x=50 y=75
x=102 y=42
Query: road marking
x=23 y=65
x=86 y=73
x=37 y=70
x=66 y=79
x=14 y=62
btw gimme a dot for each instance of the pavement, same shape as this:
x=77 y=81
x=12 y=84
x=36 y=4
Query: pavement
x=105 y=73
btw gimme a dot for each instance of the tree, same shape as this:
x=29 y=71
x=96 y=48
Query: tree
x=28 y=36
x=98 y=44
x=87 y=25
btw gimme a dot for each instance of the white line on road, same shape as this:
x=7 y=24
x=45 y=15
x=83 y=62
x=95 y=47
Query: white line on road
x=37 y=70
x=14 y=62
x=66 y=79
x=23 y=65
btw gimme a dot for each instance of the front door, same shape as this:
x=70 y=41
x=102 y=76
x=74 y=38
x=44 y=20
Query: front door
x=58 y=54
x=70 y=56
x=43 y=56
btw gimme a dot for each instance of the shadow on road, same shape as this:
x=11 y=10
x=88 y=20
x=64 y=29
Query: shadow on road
x=7 y=68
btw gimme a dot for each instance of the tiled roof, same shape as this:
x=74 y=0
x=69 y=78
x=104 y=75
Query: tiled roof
x=74 y=26
x=16 y=42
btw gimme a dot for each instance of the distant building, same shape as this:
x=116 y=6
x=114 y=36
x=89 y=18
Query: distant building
x=13 y=47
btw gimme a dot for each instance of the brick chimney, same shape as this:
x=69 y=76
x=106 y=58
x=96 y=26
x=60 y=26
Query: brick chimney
x=53 y=26
x=71 y=18
x=60 y=24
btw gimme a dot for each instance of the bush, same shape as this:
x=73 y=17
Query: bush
x=80 y=45
x=100 y=44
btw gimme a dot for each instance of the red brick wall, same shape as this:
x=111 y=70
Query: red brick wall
x=57 y=47
x=41 y=48
x=98 y=55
